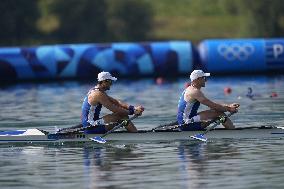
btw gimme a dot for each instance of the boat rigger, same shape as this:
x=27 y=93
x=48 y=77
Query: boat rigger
x=41 y=136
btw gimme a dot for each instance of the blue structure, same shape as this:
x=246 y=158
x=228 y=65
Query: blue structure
x=169 y=58
x=242 y=55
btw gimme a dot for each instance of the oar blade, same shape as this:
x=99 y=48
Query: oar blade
x=98 y=139
x=199 y=137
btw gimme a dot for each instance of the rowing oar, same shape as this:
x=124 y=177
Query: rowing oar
x=172 y=124
x=100 y=139
x=221 y=119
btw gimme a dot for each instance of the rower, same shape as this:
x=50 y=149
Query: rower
x=188 y=118
x=250 y=94
x=97 y=98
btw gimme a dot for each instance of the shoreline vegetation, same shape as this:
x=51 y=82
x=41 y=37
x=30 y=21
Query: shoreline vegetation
x=42 y=22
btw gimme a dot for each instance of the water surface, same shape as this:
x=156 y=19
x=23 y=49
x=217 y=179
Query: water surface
x=217 y=164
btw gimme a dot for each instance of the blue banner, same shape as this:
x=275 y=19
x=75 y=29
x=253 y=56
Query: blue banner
x=233 y=55
x=169 y=58
x=275 y=53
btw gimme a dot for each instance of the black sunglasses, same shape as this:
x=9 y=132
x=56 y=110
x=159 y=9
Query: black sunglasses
x=108 y=81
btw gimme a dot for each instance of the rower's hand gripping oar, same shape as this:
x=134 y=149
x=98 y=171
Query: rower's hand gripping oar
x=100 y=139
x=221 y=119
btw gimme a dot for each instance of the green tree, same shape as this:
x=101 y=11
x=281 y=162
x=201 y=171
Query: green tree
x=80 y=21
x=130 y=20
x=18 y=21
x=261 y=18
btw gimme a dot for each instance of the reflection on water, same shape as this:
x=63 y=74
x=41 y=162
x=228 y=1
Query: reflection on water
x=218 y=164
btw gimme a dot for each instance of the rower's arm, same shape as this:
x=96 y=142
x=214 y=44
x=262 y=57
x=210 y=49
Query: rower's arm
x=132 y=110
x=99 y=97
x=203 y=100
x=119 y=103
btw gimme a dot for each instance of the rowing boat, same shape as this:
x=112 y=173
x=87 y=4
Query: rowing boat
x=40 y=136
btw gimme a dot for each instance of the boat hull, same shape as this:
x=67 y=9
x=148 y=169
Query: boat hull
x=38 y=136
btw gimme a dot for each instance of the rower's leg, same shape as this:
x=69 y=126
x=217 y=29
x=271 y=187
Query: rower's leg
x=117 y=118
x=212 y=114
x=111 y=118
x=209 y=115
x=131 y=128
x=228 y=124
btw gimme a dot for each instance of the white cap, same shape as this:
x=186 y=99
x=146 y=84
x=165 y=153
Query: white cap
x=197 y=74
x=105 y=75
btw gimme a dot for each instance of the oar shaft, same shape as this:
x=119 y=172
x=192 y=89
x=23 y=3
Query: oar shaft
x=172 y=124
x=218 y=121
x=118 y=126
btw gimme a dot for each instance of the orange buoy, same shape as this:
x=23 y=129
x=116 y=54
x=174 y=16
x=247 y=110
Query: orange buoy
x=227 y=90
x=273 y=95
x=160 y=81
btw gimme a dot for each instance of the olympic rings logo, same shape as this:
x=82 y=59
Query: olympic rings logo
x=236 y=51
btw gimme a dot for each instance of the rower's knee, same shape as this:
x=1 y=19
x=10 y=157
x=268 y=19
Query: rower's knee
x=228 y=124
x=131 y=128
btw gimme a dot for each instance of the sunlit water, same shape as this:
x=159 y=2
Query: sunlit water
x=218 y=164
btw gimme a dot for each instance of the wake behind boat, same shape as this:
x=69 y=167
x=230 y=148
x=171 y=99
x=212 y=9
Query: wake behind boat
x=41 y=136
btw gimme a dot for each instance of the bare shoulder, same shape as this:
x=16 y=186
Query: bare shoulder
x=194 y=94
x=189 y=94
x=96 y=96
x=192 y=91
